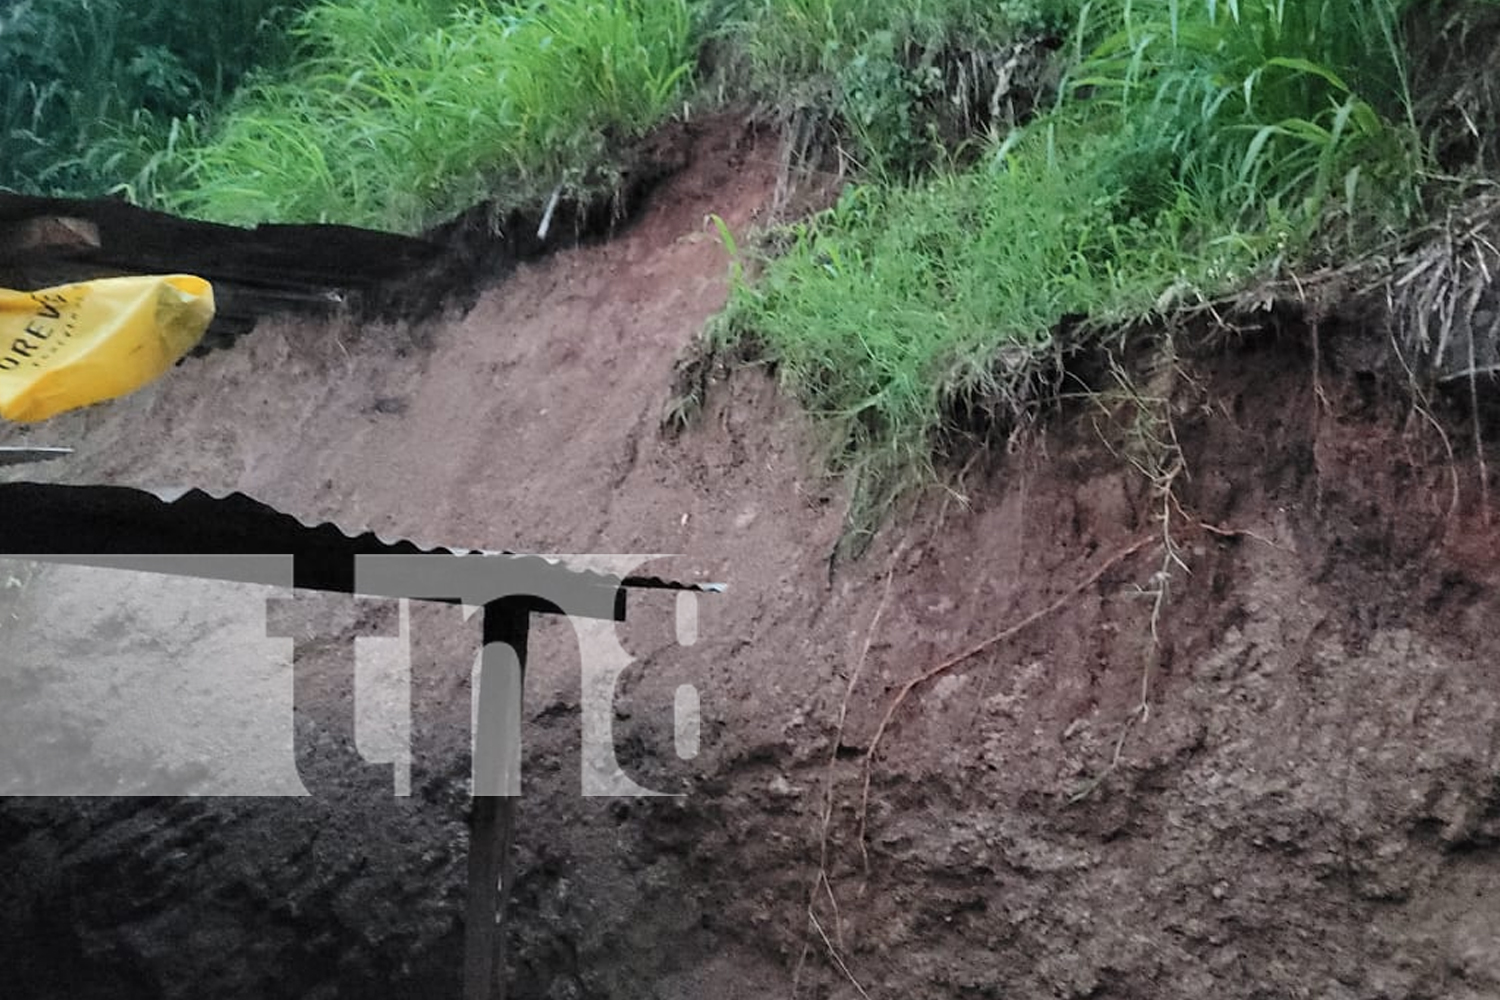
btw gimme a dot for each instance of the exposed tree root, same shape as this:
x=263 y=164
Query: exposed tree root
x=968 y=654
x=821 y=882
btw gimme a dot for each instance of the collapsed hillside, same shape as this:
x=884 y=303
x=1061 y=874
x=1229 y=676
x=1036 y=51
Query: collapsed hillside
x=1247 y=751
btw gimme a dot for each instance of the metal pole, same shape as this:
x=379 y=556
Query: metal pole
x=497 y=784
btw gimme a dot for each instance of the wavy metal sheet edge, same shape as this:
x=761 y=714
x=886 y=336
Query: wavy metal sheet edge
x=76 y=530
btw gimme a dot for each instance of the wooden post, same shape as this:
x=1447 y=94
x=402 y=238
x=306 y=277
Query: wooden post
x=497 y=784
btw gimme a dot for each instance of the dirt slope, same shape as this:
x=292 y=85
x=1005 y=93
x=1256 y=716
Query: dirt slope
x=1308 y=808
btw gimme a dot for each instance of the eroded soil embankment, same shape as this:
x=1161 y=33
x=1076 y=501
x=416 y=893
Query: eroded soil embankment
x=1308 y=808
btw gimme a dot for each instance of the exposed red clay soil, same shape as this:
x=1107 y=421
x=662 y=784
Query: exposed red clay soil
x=1309 y=808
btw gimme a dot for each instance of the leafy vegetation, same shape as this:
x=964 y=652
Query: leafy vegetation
x=902 y=83
x=385 y=113
x=404 y=112
x=1195 y=145
x=398 y=113
x=87 y=85
x=1259 y=107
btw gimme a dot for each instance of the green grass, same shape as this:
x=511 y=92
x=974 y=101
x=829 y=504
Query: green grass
x=1194 y=146
x=901 y=306
x=397 y=114
x=898 y=83
x=1276 y=104
x=402 y=113
x=87 y=84
x=788 y=41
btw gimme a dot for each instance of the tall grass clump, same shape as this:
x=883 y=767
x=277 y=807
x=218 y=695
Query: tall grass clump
x=406 y=112
x=85 y=84
x=900 y=306
x=897 y=83
x=794 y=40
x=1261 y=108
x=1195 y=144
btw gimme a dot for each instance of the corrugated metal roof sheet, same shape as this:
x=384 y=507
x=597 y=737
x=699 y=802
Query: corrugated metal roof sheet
x=127 y=528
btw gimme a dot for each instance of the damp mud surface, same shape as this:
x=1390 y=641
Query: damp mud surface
x=1246 y=752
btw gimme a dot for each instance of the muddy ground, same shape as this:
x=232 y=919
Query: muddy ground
x=1307 y=805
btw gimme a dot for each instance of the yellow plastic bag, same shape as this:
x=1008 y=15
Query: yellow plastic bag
x=66 y=347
